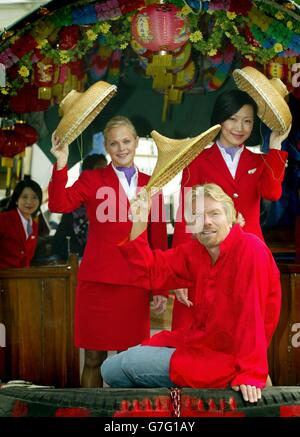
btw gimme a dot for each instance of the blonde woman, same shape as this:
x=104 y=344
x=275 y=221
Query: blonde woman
x=112 y=309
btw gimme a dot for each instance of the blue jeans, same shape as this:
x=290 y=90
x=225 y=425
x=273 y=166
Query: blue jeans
x=139 y=366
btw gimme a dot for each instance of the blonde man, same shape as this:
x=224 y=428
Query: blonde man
x=235 y=310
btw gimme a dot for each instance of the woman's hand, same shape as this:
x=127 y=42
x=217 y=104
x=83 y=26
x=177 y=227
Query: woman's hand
x=139 y=212
x=159 y=304
x=182 y=296
x=277 y=138
x=61 y=153
x=250 y=393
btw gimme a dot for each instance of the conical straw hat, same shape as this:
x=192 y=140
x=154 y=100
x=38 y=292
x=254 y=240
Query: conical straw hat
x=268 y=95
x=80 y=109
x=175 y=155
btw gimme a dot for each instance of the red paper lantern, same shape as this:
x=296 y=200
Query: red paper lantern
x=27 y=100
x=160 y=27
x=28 y=132
x=68 y=37
x=13 y=144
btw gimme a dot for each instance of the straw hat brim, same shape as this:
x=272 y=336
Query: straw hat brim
x=272 y=108
x=175 y=155
x=80 y=109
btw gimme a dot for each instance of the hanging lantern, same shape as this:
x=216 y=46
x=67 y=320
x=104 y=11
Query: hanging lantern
x=28 y=132
x=160 y=27
x=27 y=100
x=11 y=143
x=44 y=78
x=68 y=37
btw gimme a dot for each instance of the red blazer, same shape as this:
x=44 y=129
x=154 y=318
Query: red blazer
x=235 y=312
x=257 y=176
x=15 y=249
x=102 y=194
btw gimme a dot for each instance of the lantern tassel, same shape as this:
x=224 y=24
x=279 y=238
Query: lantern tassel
x=8 y=181
x=165 y=108
x=19 y=168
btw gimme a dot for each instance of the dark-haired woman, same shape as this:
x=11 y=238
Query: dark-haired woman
x=18 y=229
x=244 y=175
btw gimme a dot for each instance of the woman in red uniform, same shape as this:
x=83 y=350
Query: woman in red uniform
x=18 y=230
x=245 y=176
x=112 y=310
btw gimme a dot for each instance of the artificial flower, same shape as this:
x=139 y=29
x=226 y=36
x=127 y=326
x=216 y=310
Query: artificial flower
x=231 y=15
x=64 y=56
x=104 y=28
x=196 y=36
x=279 y=15
x=278 y=47
x=23 y=71
x=212 y=52
x=186 y=10
x=91 y=35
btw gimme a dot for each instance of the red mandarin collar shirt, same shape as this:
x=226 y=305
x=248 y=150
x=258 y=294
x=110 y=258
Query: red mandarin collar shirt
x=235 y=312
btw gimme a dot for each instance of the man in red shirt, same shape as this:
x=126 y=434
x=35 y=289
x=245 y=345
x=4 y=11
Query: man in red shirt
x=234 y=313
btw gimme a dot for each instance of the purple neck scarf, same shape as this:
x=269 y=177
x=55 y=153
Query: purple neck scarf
x=229 y=150
x=128 y=171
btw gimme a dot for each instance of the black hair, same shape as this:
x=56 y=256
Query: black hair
x=229 y=103
x=91 y=161
x=19 y=188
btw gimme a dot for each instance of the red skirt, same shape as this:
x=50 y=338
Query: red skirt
x=111 y=317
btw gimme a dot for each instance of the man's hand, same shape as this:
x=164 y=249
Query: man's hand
x=159 y=304
x=61 y=153
x=139 y=211
x=182 y=296
x=250 y=393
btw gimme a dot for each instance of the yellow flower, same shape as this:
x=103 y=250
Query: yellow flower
x=278 y=47
x=64 y=56
x=91 y=35
x=212 y=52
x=249 y=57
x=186 y=10
x=42 y=43
x=196 y=36
x=279 y=15
x=123 y=45
x=104 y=28
x=289 y=25
x=231 y=15
x=23 y=71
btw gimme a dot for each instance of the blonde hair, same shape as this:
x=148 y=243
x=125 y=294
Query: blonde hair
x=118 y=120
x=214 y=192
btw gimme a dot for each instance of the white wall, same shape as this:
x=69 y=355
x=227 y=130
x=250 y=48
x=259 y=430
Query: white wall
x=11 y=11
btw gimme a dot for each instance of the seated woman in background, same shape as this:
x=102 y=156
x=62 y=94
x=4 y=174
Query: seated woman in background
x=18 y=229
x=71 y=234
